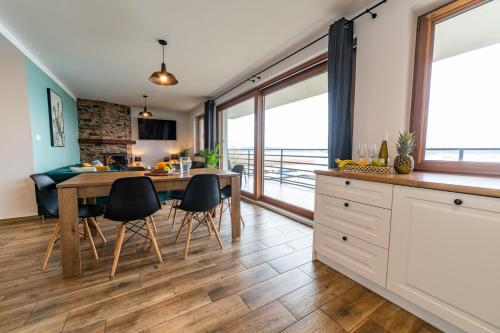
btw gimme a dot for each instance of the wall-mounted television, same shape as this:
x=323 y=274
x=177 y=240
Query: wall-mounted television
x=157 y=129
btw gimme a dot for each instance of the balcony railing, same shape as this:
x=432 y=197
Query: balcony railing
x=283 y=165
x=462 y=154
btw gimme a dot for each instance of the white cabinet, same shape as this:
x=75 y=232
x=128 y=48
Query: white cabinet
x=352 y=224
x=444 y=255
x=366 y=222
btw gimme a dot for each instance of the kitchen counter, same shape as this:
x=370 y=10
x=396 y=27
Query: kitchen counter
x=469 y=184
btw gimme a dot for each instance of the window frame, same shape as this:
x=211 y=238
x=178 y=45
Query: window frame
x=308 y=69
x=198 y=133
x=421 y=89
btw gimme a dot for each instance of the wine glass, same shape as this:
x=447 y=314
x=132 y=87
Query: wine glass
x=373 y=152
x=362 y=151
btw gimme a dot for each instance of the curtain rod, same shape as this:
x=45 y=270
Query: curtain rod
x=256 y=76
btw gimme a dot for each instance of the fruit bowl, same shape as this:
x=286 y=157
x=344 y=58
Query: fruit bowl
x=365 y=169
x=155 y=172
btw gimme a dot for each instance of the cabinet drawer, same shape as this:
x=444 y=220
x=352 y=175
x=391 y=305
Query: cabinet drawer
x=368 y=223
x=361 y=257
x=370 y=193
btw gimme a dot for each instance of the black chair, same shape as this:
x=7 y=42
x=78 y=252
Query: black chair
x=225 y=193
x=201 y=197
x=131 y=202
x=47 y=196
x=134 y=168
x=176 y=196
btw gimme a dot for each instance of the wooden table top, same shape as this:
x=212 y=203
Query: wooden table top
x=107 y=178
x=451 y=182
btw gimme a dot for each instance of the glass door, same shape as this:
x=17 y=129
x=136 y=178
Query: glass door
x=238 y=140
x=295 y=141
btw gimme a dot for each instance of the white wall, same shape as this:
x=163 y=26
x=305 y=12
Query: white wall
x=16 y=189
x=384 y=71
x=153 y=151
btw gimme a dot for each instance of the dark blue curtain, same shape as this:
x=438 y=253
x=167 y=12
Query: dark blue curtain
x=209 y=124
x=340 y=62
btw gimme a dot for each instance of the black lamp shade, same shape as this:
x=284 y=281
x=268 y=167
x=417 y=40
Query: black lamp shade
x=163 y=78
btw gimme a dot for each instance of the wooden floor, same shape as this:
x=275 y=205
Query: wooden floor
x=266 y=282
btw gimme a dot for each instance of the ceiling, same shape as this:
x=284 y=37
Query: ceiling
x=106 y=50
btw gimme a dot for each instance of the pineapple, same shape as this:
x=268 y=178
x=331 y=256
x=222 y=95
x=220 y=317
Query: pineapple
x=403 y=163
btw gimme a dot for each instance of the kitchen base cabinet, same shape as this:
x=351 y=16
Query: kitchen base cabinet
x=444 y=255
x=432 y=251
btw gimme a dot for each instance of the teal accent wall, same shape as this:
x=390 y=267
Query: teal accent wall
x=45 y=156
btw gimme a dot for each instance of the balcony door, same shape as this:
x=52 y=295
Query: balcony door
x=238 y=140
x=295 y=139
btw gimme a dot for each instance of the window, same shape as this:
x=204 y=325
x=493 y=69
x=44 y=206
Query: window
x=295 y=140
x=278 y=131
x=455 y=107
x=200 y=133
x=238 y=123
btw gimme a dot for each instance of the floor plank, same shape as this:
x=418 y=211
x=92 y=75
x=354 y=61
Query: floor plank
x=237 y=282
x=352 y=307
x=268 y=319
x=209 y=318
x=292 y=260
x=315 y=294
x=116 y=306
x=316 y=322
x=274 y=288
x=157 y=313
x=266 y=255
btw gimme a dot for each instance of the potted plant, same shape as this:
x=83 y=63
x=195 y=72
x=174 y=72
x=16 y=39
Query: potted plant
x=183 y=152
x=211 y=156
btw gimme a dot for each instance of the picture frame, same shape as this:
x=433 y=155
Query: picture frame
x=56 y=117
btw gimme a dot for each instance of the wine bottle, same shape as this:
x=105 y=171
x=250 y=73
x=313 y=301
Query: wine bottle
x=384 y=151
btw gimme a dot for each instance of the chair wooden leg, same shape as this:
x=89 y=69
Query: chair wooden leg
x=153 y=241
x=99 y=232
x=153 y=223
x=208 y=225
x=212 y=224
x=220 y=214
x=182 y=226
x=173 y=220
x=171 y=207
x=118 y=248
x=90 y=238
x=188 y=236
x=52 y=241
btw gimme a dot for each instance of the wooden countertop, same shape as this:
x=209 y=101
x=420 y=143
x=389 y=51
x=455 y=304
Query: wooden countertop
x=477 y=185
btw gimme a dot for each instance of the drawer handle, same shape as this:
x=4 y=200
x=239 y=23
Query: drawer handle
x=458 y=202
x=346 y=204
x=347 y=182
x=344 y=238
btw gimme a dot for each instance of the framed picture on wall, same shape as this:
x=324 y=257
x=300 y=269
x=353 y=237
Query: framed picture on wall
x=56 y=117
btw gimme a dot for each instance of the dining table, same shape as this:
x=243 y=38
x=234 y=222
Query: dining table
x=88 y=186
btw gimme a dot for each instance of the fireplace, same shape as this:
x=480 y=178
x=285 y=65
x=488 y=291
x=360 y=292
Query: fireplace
x=115 y=159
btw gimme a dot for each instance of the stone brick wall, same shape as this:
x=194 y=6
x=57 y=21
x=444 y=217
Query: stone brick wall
x=102 y=120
